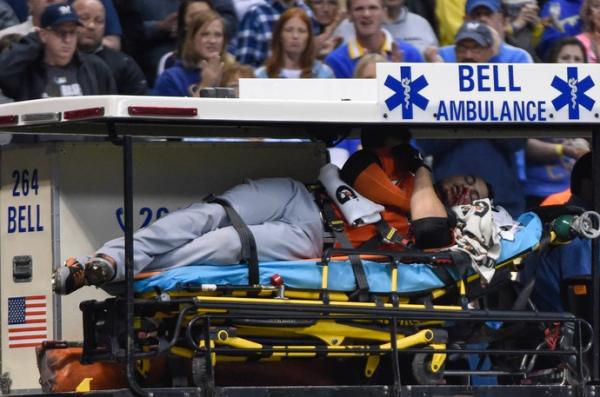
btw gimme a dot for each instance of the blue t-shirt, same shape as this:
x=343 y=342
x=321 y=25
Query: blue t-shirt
x=343 y=64
x=176 y=80
x=568 y=19
x=507 y=54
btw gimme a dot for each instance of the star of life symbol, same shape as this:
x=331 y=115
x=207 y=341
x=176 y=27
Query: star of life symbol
x=406 y=92
x=572 y=93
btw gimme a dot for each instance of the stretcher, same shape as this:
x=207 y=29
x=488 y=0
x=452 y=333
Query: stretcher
x=422 y=304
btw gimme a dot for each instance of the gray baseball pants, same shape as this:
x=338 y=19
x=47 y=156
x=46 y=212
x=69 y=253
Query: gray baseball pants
x=280 y=212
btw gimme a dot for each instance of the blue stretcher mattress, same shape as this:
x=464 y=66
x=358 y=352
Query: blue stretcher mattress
x=306 y=274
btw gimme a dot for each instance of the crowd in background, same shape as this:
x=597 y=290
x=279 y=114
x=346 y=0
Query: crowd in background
x=182 y=47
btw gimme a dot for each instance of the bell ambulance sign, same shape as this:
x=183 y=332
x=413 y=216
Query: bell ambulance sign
x=475 y=92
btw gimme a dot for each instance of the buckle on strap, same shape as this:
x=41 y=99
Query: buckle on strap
x=337 y=225
x=389 y=236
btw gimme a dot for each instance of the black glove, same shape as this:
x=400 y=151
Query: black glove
x=408 y=158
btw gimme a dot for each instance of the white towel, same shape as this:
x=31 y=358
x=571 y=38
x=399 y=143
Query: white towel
x=357 y=210
x=477 y=235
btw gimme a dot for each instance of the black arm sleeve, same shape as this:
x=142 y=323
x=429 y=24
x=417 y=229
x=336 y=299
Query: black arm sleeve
x=357 y=164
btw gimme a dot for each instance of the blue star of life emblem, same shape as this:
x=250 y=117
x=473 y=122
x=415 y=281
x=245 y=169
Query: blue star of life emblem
x=406 y=92
x=572 y=93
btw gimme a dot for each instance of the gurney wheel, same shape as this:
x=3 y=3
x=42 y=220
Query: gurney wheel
x=421 y=368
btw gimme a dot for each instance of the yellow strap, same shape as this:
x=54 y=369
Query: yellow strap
x=325 y=277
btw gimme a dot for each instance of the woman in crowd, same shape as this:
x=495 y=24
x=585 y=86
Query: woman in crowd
x=293 y=53
x=590 y=38
x=203 y=57
x=188 y=11
x=550 y=160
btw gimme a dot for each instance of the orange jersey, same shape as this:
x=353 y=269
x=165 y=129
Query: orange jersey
x=375 y=175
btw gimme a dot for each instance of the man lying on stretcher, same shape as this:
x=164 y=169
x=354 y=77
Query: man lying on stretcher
x=285 y=222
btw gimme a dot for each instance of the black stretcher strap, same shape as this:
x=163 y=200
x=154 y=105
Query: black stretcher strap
x=337 y=227
x=249 y=251
x=386 y=234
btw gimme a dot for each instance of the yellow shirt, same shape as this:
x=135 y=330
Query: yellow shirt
x=450 y=15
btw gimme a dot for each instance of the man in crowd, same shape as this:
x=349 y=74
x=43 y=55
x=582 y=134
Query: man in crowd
x=127 y=74
x=36 y=8
x=367 y=16
x=489 y=12
x=46 y=63
x=113 y=30
x=491 y=159
x=256 y=30
x=401 y=24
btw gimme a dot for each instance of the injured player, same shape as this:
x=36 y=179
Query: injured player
x=388 y=179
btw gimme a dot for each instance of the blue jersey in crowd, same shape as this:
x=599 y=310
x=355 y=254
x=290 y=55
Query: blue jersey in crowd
x=565 y=15
x=507 y=54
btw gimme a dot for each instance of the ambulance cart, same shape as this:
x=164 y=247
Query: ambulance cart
x=65 y=198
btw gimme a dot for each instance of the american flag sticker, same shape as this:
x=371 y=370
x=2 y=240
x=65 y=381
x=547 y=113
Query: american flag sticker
x=27 y=325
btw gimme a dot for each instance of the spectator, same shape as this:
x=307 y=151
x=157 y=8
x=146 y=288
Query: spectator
x=450 y=15
x=491 y=159
x=367 y=17
x=590 y=16
x=365 y=68
x=160 y=21
x=46 y=64
x=490 y=13
x=328 y=15
x=7 y=16
x=20 y=8
x=550 y=160
x=256 y=30
x=426 y=9
x=113 y=30
x=133 y=28
x=112 y=26
x=561 y=18
x=401 y=24
x=293 y=49
x=127 y=74
x=160 y=30
x=202 y=60
x=523 y=24
x=550 y=267
x=188 y=10
x=36 y=7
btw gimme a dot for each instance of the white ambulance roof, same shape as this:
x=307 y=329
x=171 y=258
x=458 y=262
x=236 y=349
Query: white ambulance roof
x=268 y=107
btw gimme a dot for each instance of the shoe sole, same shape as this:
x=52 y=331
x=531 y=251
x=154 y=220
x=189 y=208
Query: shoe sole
x=99 y=271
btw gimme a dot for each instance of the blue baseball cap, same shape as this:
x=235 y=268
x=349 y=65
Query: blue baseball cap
x=58 y=13
x=477 y=31
x=493 y=5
